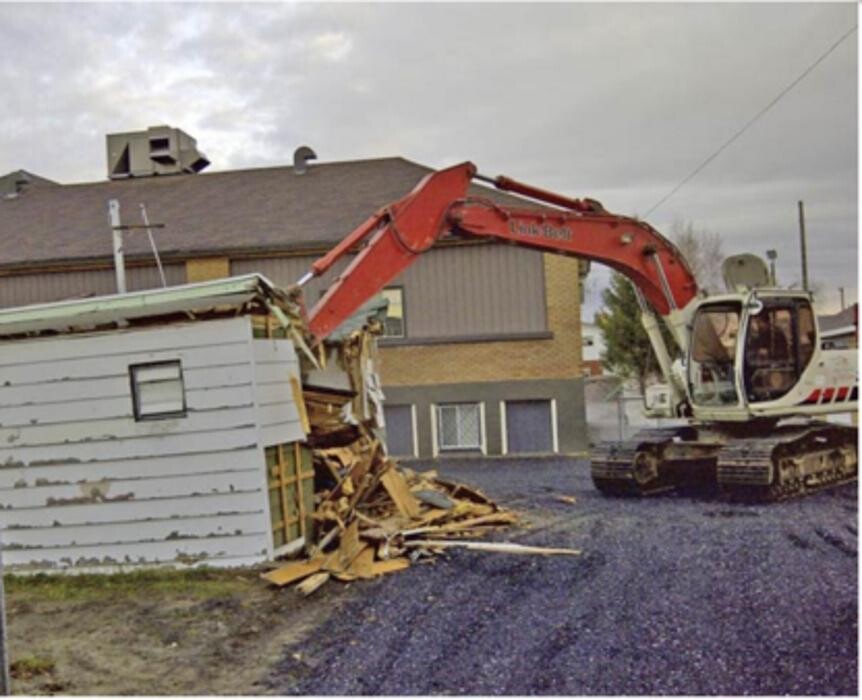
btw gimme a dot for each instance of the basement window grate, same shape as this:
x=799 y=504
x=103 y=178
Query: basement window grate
x=459 y=426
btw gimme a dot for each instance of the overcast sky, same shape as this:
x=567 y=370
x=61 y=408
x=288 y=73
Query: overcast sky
x=617 y=102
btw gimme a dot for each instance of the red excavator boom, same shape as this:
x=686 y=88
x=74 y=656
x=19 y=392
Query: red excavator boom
x=397 y=234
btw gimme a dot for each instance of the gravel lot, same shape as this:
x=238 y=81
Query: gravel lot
x=673 y=595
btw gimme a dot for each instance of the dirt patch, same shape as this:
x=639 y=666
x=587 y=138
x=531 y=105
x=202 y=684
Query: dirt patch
x=168 y=633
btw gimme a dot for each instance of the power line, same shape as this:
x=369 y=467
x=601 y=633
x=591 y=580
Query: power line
x=751 y=121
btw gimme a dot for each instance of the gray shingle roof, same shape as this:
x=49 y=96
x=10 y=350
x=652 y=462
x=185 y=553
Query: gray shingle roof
x=228 y=212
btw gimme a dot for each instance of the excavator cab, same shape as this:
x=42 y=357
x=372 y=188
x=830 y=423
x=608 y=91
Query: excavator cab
x=780 y=339
x=712 y=362
x=749 y=349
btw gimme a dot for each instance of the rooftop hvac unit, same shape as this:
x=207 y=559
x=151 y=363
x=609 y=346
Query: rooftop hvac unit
x=160 y=150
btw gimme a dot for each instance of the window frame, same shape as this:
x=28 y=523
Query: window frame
x=136 y=396
x=480 y=415
x=399 y=288
x=794 y=358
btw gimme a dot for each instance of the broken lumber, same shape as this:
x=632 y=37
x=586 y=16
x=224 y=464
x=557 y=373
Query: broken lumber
x=312 y=583
x=380 y=568
x=504 y=547
x=396 y=486
x=293 y=571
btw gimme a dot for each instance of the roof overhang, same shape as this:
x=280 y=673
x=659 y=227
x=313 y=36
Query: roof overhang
x=217 y=296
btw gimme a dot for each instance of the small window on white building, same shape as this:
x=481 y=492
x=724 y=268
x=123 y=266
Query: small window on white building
x=157 y=390
x=459 y=426
x=394 y=324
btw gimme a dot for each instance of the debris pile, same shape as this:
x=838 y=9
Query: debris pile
x=371 y=516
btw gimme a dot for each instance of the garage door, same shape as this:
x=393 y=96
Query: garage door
x=399 y=430
x=528 y=427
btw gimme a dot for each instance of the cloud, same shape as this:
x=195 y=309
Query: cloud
x=617 y=102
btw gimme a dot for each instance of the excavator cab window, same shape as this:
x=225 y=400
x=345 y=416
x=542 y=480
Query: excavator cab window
x=779 y=344
x=713 y=352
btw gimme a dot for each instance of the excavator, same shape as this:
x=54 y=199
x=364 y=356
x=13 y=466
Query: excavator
x=748 y=380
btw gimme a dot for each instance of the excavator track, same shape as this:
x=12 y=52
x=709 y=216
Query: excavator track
x=789 y=461
x=642 y=465
x=793 y=461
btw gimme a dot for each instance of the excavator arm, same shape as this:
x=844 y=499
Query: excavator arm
x=399 y=233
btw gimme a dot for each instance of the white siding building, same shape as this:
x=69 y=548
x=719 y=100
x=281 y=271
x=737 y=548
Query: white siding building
x=151 y=428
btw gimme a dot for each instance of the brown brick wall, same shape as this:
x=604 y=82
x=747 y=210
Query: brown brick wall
x=556 y=358
x=203 y=269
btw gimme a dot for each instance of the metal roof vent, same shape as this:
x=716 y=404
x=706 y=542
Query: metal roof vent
x=14 y=183
x=160 y=150
x=301 y=156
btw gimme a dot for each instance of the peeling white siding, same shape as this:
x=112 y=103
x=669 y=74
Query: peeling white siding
x=84 y=485
x=274 y=363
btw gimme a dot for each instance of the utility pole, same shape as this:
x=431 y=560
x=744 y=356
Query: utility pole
x=5 y=683
x=803 y=245
x=771 y=256
x=117 y=233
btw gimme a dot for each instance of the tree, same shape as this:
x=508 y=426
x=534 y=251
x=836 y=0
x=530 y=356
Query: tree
x=628 y=351
x=703 y=250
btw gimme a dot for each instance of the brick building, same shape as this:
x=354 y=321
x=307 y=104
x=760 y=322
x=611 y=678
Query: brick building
x=483 y=346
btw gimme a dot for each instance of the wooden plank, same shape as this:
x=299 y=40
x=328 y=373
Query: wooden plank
x=503 y=547
x=396 y=487
x=379 y=568
x=362 y=565
x=293 y=571
x=282 y=493
x=349 y=547
x=312 y=583
x=457 y=490
x=299 y=403
x=435 y=514
x=502 y=518
x=300 y=501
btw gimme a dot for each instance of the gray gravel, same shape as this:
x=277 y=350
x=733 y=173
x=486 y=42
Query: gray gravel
x=673 y=595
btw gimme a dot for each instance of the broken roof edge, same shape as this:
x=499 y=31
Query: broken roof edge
x=92 y=312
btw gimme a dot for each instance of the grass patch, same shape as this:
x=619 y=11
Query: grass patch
x=196 y=583
x=29 y=666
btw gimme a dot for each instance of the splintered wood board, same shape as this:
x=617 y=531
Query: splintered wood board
x=362 y=564
x=378 y=568
x=396 y=487
x=299 y=402
x=293 y=571
x=312 y=583
x=503 y=547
